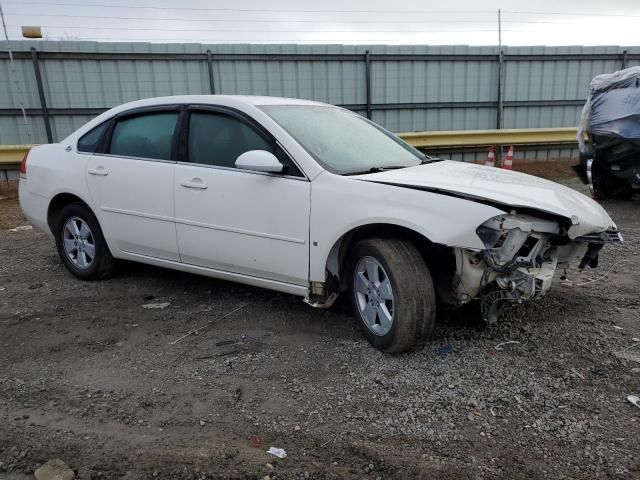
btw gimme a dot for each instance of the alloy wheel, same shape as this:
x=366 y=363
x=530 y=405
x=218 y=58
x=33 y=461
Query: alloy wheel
x=78 y=241
x=374 y=295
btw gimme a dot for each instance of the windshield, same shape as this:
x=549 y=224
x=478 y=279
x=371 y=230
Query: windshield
x=342 y=141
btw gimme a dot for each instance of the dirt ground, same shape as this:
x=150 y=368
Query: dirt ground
x=202 y=388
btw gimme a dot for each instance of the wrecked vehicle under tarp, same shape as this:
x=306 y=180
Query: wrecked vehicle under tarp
x=609 y=135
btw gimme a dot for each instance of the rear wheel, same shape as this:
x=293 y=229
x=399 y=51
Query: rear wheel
x=80 y=243
x=605 y=185
x=392 y=293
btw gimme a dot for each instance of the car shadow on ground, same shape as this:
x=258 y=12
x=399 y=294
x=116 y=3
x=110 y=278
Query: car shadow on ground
x=463 y=323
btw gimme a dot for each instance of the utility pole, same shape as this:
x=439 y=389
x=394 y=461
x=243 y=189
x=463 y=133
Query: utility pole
x=499 y=29
x=6 y=35
x=500 y=109
x=15 y=77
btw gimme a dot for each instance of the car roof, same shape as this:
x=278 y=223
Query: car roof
x=253 y=100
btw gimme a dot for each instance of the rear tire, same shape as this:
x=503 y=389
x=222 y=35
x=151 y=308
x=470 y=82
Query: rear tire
x=606 y=186
x=80 y=243
x=392 y=293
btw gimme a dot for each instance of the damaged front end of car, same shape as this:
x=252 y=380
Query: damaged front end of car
x=522 y=253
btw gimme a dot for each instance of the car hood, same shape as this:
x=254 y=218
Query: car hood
x=505 y=187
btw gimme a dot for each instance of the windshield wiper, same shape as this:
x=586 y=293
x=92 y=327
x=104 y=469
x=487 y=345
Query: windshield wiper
x=430 y=160
x=376 y=169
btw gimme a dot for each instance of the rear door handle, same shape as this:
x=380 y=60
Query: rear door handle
x=194 y=183
x=100 y=171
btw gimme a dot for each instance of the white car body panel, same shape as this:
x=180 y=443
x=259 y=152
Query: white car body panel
x=340 y=204
x=284 y=287
x=269 y=230
x=244 y=222
x=502 y=186
x=49 y=177
x=133 y=201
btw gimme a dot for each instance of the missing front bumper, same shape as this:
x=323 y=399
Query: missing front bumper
x=529 y=277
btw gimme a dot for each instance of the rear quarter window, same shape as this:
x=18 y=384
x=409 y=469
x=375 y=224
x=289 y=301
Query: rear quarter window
x=89 y=141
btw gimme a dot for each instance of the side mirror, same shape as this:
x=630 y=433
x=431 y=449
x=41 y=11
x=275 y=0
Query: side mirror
x=259 y=161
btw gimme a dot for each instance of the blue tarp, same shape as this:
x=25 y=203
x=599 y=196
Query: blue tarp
x=616 y=113
x=613 y=106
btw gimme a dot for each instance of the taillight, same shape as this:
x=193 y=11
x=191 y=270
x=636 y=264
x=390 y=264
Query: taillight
x=23 y=164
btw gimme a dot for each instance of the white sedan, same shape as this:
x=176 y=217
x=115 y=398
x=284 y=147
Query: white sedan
x=309 y=199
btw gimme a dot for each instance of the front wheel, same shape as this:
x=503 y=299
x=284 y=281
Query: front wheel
x=392 y=293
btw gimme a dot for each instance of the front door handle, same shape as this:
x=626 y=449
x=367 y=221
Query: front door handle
x=194 y=183
x=100 y=171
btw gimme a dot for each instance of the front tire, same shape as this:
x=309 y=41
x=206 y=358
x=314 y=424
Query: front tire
x=392 y=293
x=80 y=243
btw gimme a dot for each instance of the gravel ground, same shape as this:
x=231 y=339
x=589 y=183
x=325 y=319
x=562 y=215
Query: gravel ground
x=203 y=387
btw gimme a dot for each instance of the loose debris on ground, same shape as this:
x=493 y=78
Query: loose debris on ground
x=54 y=470
x=93 y=379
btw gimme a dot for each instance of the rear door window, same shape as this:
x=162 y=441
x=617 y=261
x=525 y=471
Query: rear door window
x=148 y=135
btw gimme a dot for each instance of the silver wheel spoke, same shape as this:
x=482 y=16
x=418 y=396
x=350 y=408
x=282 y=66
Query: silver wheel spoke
x=372 y=271
x=69 y=245
x=84 y=231
x=361 y=283
x=69 y=230
x=373 y=295
x=385 y=290
x=74 y=227
x=90 y=250
x=384 y=316
x=369 y=314
x=78 y=242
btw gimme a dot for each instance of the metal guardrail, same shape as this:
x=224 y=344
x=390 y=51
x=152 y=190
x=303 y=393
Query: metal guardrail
x=482 y=138
x=11 y=155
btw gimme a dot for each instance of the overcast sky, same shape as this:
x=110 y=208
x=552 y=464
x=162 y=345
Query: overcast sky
x=471 y=22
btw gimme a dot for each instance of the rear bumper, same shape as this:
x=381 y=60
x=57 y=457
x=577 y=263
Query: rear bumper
x=33 y=206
